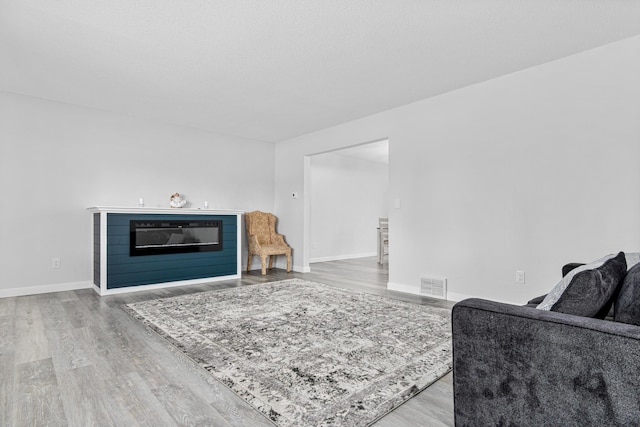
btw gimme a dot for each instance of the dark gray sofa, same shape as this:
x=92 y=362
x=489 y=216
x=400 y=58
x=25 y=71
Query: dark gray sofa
x=520 y=366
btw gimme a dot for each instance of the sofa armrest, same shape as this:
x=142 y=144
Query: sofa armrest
x=521 y=366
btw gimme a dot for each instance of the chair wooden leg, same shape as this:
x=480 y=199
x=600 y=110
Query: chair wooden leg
x=264 y=265
x=249 y=262
x=288 y=263
x=271 y=257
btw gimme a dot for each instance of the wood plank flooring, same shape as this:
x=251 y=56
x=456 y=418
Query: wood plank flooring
x=77 y=359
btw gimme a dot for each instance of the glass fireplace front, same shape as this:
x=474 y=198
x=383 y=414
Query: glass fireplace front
x=154 y=237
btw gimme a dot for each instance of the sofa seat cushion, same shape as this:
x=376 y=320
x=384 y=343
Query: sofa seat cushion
x=588 y=290
x=627 y=306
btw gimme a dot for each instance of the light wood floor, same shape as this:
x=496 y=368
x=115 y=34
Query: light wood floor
x=77 y=359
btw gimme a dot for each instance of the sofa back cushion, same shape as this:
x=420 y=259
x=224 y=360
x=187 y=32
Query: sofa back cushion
x=627 y=306
x=632 y=258
x=588 y=290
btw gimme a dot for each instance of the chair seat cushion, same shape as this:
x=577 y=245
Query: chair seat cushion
x=274 y=249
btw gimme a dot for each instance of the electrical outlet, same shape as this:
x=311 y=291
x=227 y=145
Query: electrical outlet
x=519 y=276
x=55 y=262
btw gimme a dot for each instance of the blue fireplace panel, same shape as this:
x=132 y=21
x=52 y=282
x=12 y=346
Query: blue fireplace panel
x=124 y=270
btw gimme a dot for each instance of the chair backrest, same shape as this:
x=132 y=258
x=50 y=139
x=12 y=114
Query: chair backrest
x=260 y=224
x=383 y=225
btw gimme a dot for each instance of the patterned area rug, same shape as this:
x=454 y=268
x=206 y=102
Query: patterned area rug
x=308 y=354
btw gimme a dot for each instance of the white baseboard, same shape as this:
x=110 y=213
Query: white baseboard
x=454 y=296
x=451 y=296
x=411 y=289
x=138 y=288
x=401 y=287
x=299 y=269
x=44 y=289
x=341 y=257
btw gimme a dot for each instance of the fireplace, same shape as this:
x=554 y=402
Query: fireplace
x=156 y=237
x=138 y=249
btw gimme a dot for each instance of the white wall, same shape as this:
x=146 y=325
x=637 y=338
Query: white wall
x=348 y=195
x=524 y=172
x=56 y=160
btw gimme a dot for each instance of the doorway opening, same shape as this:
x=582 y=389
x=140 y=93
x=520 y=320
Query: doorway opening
x=348 y=192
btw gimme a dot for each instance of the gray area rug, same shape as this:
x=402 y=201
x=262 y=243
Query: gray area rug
x=308 y=354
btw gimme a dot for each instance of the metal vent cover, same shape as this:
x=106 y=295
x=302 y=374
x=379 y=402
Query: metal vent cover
x=433 y=286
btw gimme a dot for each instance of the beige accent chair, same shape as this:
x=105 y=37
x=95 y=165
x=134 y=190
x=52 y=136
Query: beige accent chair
x=263 y=240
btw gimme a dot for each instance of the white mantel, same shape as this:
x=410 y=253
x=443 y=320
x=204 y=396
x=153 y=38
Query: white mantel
x=152 y=210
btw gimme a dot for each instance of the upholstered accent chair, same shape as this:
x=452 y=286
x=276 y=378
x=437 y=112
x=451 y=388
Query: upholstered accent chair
x=263 y=240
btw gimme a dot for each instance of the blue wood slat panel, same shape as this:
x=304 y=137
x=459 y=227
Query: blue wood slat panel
x=124 y=270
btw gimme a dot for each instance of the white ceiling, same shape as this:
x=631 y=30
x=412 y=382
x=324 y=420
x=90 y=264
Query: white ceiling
x=271 y=70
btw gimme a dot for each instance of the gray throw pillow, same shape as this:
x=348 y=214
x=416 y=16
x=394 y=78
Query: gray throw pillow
x=555 y=293
x=590 y=291
x=627 y=306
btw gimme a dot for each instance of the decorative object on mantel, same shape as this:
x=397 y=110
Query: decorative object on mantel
x=305 y=353
x=141 y=202
x=177 y=201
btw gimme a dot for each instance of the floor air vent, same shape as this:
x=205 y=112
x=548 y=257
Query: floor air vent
x=433 y=286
